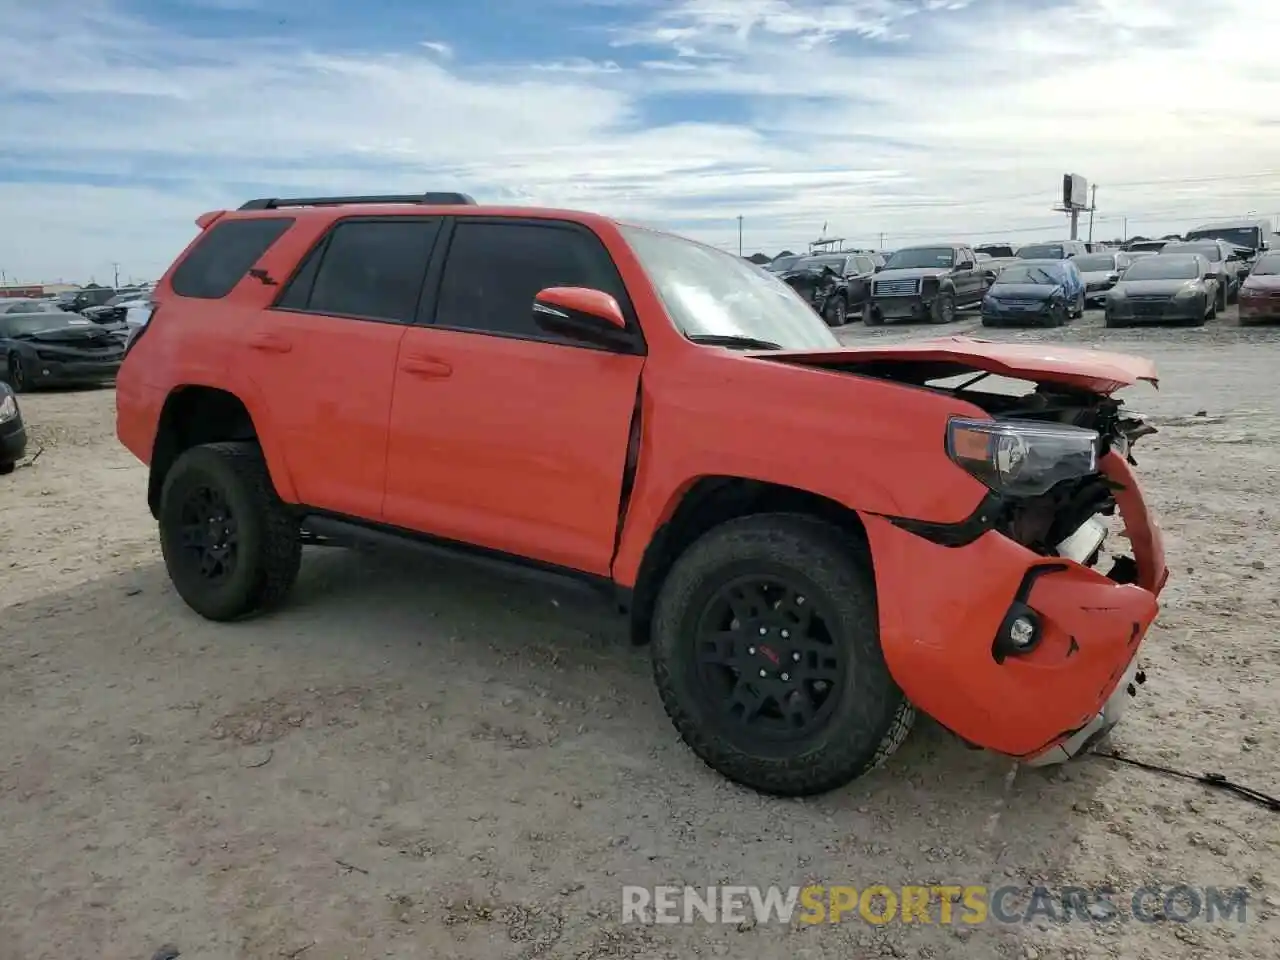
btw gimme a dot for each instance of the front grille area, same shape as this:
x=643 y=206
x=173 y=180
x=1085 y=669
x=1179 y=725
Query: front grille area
x=1021 y=304
x=895 y=288
x=1149 y=306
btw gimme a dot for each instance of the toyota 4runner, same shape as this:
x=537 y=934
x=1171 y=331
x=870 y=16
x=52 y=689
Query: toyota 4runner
x=815 y=541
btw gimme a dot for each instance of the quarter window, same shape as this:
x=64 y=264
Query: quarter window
x=495 y=270
x=224 y=255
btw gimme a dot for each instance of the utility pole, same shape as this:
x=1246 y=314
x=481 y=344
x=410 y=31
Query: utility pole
x=115 y=267
x=881 y=240
x=1093 y=205
x=739 y=234
x=1126 y=229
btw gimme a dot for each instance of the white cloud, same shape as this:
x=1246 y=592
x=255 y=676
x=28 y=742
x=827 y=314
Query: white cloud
x=914 y=118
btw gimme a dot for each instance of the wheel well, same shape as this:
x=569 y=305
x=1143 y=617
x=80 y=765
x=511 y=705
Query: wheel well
x=713 y=501
x=193 y=416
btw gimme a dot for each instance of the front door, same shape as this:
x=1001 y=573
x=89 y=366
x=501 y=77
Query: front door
x=503 y=435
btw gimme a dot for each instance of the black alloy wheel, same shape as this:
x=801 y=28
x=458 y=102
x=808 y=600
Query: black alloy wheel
x=210 y=535
x=766 y=657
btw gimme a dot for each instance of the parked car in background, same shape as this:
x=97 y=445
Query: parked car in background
x=1042 y=293
x=1223 y=261
x=1179 y=287
x=13 y=433
x=1100 y=272
x=124 y=308
x=43 y=345
x=1253 y=234
x=782 y=264
x=1260 y=292
x=998 y=249
x=837 y=284
x=75 y=301
x=1145 y=246
x=1056 y=250
x=926 y=283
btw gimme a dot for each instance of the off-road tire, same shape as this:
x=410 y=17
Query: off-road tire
x=270 y=549
x=943 y=309
x=872 y=717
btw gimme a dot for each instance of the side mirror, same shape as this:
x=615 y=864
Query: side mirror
x=581 y=313
x=964 y=265
x=879 y=267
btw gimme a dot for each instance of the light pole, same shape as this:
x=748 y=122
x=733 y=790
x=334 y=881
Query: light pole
x=739 y=234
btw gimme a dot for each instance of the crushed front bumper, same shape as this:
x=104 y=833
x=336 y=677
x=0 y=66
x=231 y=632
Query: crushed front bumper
x=942 y=610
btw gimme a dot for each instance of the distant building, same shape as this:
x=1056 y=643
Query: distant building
x=22 y=290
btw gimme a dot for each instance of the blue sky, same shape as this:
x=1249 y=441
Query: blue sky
x=912 y=119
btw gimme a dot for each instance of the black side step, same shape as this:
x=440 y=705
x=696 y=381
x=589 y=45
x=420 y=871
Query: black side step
x=339 y=531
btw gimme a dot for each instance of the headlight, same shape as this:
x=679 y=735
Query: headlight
x=1022 y=458
x=8 y=407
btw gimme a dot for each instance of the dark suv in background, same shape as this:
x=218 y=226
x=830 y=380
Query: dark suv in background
x=927 y=283
x=77 y=300
x=836 y=284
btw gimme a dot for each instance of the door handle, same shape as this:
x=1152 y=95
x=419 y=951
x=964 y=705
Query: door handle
x=270 y=342
x=429 y=367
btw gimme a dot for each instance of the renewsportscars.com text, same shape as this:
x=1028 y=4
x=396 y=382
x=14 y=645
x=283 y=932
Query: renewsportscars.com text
x=933 y=904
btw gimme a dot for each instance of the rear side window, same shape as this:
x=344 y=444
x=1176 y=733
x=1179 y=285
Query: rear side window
x=224 y=255
x=366 y=268
x=494 y=271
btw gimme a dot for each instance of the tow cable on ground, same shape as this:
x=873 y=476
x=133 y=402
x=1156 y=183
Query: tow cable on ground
x=1214 y=780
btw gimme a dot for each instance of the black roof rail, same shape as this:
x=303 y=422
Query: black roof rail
x=434 y=199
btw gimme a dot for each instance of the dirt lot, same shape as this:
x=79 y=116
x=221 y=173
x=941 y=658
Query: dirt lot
x=416 y=761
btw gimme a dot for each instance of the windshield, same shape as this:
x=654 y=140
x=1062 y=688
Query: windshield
x=709 y=292
x=1163 y=267
x=1268 y=265
x=1095 y=262
x=995 y=249
x=917 y=257
x=1250 y=237
x=1210 y=251
x=817 y=263
x=1041 y=251
x=1029 y=274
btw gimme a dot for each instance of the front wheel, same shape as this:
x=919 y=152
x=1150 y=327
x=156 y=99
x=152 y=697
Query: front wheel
x=944 y=308
x=1222 y=299
x=16 y=373
x=837 y=313
x=766 y=653
x=230 y=546
x=869 y=316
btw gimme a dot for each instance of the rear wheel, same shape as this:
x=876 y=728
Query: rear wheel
x=766 y=654
x=1110 y=320
x=230 y=546
x=1222 y=299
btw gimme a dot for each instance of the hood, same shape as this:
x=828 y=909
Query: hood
x=80 y=336
x=1140 y=287
x=1092 y=370
x=1024 y=291
x=911 y=273
x=1263 y=282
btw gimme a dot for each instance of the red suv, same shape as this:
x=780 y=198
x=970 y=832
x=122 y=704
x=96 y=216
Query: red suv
x=815 y=540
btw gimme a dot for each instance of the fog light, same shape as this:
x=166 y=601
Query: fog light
x=1019 y=633
x=1022 y=633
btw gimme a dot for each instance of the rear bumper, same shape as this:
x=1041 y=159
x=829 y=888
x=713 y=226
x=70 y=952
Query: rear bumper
x=1258 y=308
x=941 y=609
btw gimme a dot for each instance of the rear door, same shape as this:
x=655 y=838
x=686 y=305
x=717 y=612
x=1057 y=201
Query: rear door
x=502 y=435
x=324 y=356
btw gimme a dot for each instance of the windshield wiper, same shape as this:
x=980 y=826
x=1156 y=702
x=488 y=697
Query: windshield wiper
x=733 y=340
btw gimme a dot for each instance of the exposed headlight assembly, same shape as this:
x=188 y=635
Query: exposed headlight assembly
x=8 y=406
x=1022 y=458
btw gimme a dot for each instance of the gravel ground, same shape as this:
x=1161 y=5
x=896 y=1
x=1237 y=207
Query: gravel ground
x=412 y=760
